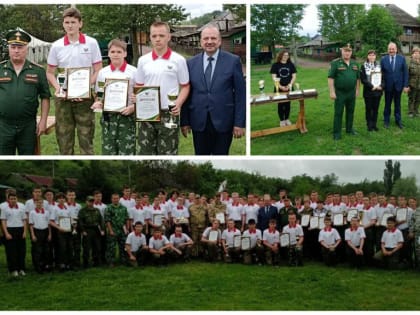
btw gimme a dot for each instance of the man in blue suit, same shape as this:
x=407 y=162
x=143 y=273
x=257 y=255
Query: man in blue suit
x=266 y=213
x=215 y=110
x=394 y=69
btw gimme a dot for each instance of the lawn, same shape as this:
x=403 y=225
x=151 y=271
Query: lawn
x=202 y=286
x=319 y=121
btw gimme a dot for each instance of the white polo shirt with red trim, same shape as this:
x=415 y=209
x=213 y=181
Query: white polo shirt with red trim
x=254 y=235
x=167 y=71
x=295 y=231
x=229 y=235
x=355 y=235
x=83 y=53
x=329 y=236
x=391 y=238
x=272 y=237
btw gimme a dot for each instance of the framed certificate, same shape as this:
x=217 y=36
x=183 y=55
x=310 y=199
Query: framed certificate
x=385 y=217
x=221 y=217
x=246 y=243
x=314 y=223
x=304 y=221
x=338 y=219
x=321 y=224
x=78 y=83
x=115 y=94
x=351 y=214
x=213 y=236
x=376 y=78
x=182 y=220
x=237 y=240
x=284 y=239
x=157 y=219
x=65 y=223
x=147 y=103
x=401 y=214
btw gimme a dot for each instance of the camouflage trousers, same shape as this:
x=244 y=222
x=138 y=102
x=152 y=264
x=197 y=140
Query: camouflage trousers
x=118 y=134
x=70 y=116
x=196 y=234
x=413 y=101
x=111 y=243
x=156 y=139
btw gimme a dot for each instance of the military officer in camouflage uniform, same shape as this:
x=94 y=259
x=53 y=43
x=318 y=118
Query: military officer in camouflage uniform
x=198 y=222
x=92 y=227
x=117 y=223
x=214 y=209
x=414 y=83
x=343 y=82
x=414 y=232
x=21 y=84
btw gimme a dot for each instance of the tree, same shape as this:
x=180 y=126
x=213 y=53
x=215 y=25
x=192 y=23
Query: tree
x=391 y=174
x=205 y=18
x=340 y=22
x=275 y=24
x=128 y=20
x=238 y=9
x=378 y=28
x=405 y=187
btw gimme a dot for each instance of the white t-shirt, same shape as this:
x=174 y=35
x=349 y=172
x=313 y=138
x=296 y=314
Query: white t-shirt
x=138 y=214
x=355 y=236
x=128 y=203
x=168 y=72
x=392 y=238
x=368 y=215
x=74 y=209
x=329 y=236
x=158 y=243
x=234 y=211
x=179 y=240
x=14 y=216
x=270 y=237
x=135 y=241
x=30 y=205
x=180 y=213
x=251 y=212
x=39 y=220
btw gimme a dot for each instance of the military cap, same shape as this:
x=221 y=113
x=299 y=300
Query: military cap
x=347 y=47
x=89 y=198
x=17 y=37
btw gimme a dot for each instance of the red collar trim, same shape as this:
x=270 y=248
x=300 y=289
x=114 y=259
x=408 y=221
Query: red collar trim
x=272 y=231
x=232 y=230
x=62 y=207
x=252 y=231
x=15 y=206
x=156 y=208
x=82 y=39
x=178 y=235
x=97 y=203
x=392 y=230
x=292 y=226
x=166 y=55
x=251 y=204
x=367 y=208
x=327 y=229
x=138 y=235
x=157 y=238
x=351 y=229
x=235 y=204
x=122 y=68
x=139 y=207
x=71 y=204
x=384 y=205
x=180 y=207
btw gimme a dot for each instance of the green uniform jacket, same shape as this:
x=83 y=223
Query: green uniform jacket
x=345 y=76
x=89 y=218
x=118 y=216
x=414 y=75
x=19 y=94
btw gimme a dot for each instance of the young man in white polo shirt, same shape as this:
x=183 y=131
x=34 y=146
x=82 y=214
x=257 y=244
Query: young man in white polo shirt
x=355 y=238
x=392 y=242
x=74 y=50
x=182 y=244
x=136 y=246
x=271 y=241
x=160 y=248
x=13 y=220
x=167 y=69
x=296 y=237
x=231 y=253
x=329 y=240
x=212 y=246
x=118 y=127
x=256 y=248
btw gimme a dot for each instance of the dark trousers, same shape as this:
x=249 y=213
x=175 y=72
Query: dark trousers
x=77 y=248
x=65 y=242
x=295 y=255
x=19 y=136
x=329 y=257
x=354 y=260
x=371 y=111
x=141 y=257
x=255 y=254
x=368 y=246
x=212 y=251
x=15 y=250
x=390 y=96
x=406 y=250
x=210 y=141
x=283 y=110
x=344 y=100
x=55 y=247
x=40 y=250
x=379 y=230
x=91 y=246
x=341 y=249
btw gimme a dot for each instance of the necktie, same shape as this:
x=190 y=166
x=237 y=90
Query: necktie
x=207 y=73
x=266 y=210
x=392 y=63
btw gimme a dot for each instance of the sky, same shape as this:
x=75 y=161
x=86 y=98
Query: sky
x=198 y=9
x=348 y=171
x=310 y=22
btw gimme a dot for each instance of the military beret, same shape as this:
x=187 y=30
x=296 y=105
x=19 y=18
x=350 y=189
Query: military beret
x=17 y=37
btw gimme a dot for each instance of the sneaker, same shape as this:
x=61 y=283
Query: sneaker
x=282 y=123
x=14 y=274
x=288 y=122
x=22 y=273
x=411 y=115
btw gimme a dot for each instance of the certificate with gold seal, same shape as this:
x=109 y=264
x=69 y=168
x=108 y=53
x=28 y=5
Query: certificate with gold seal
x=115 y=94
x=78 y=83
x=376 y=78
x=147 y=103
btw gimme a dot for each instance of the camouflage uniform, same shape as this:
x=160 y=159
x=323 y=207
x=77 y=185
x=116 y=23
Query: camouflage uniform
x=90 y=221
x=414 y=227
x=69 y=116
x=218 y=207
x=414 y=83
x=118 y=134
x=198 y=222
x=151 y=132
x=117 y=216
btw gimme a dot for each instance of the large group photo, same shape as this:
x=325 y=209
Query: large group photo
x=334 y=79
x=204 y=225
x=123 y=79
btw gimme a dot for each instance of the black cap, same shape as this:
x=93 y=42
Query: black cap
x=17 y=37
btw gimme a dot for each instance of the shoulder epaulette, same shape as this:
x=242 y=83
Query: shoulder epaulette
x=35 y=64
x=2 y=62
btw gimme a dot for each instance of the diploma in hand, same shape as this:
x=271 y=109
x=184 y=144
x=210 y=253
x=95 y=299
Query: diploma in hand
x=115 y=94
x=147 y=103
x=65 y=223
x=376 y=78
x=246 y=243
x=78 y=83
x=213 y=236
x=284 y=239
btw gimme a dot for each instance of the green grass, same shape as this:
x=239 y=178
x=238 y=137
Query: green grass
x=319 y=120
x=49 y=143
x=203 y=286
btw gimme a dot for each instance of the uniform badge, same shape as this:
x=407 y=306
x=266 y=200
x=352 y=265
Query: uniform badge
x=170 y=67
x=85 y=49
x=5 y=72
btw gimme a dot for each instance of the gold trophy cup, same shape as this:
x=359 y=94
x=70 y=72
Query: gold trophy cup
x=172 y=96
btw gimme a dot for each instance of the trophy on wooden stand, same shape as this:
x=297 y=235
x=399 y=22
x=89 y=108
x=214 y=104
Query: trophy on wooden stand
x=172 y=96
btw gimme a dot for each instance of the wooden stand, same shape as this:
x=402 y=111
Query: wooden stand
x=50 y=127
x=300 y=123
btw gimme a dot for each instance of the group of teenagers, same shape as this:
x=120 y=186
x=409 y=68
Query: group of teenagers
x=359 y=230
x=389 y=76
x=209 y=91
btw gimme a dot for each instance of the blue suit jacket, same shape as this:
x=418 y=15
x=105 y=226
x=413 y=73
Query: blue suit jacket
x=264 y=218
x=225 y=99
x=397 y=79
